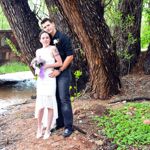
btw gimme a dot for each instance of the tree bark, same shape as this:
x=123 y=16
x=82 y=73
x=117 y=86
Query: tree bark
x=128 y=39
x=87 y=20
x=24 y=25
x=60 y=21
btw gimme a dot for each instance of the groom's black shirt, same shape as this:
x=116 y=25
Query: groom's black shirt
x=63 y=45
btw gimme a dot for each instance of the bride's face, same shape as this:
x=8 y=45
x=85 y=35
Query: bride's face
x=45 y=39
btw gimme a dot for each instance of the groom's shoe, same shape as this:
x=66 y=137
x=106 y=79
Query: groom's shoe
x=67 y=132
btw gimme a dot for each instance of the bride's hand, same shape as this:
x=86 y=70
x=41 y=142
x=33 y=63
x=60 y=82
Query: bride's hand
x=55 y=73
x=46 y=66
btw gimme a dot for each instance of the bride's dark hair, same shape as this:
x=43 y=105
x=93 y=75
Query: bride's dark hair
x=44 y=32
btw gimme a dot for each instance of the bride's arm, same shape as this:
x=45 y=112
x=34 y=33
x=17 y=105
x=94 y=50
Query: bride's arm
x=58 y=60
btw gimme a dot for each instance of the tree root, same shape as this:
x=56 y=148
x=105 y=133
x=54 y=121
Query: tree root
x=79 y=129
x=132 y=99
x=7 y=141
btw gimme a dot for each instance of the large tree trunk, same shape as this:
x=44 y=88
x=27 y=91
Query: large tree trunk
x=128 y=41
x=87 y=21
x=24 y=25
x=80 y=62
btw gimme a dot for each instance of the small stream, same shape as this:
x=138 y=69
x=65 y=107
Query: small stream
x=16 y=92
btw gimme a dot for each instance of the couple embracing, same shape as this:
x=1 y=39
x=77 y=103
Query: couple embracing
x=53 y=103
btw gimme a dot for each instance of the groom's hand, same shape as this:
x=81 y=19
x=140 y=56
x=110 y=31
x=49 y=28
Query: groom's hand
x=55 y=73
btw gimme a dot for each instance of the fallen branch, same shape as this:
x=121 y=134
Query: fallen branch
x=8 y=141
x=22 y=103
x=132 y=99
x=79 y=129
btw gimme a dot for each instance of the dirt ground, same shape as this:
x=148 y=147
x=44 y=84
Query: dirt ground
x=18 y=126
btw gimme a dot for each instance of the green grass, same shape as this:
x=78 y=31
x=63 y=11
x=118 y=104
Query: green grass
x=125 y=125
x=13 y=67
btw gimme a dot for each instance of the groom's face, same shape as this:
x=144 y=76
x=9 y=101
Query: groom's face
x=49 y=27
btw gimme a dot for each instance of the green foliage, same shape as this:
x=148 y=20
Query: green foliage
x=112 y=15
x=13 y=47
x=113 y=19
x=3 y=21
x=125 y=25
x=127 y=22
x=53 y=9
x=125 y=125
x=145 y=28
x=39 y=8
x=13 y=67
x=77 y=75
x=124 y=55
x=131 y=40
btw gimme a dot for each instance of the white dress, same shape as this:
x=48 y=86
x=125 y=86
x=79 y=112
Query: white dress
x=46 y=88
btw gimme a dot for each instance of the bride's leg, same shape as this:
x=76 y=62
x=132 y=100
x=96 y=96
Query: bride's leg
x=44 y=119
x=49 y=121
x=49 y=118
x=39 y=123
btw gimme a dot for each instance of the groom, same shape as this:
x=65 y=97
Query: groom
x=63 y=76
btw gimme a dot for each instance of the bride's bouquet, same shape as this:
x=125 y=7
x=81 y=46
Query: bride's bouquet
x=37 y=64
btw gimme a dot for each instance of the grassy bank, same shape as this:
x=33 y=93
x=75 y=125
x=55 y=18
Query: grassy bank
x=13 y=67
x=125 y=126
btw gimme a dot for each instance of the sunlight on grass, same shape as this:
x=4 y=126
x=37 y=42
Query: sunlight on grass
x=13 y=67
x=125 y=125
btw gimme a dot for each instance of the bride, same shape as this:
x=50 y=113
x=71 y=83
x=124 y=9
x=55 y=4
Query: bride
x=46 y=106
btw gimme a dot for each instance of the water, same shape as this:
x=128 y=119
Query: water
x=15 y=93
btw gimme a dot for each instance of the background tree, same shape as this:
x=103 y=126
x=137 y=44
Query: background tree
x=128 y=34
x=24 y=25
x=96 y=40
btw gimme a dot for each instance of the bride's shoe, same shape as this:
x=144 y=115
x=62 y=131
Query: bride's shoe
x=46 y=135
x=38 y=135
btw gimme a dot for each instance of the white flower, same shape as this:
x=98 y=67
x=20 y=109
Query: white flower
x=37 y=71
x=56 y=41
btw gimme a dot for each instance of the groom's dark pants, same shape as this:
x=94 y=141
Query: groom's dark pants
x=65 y=115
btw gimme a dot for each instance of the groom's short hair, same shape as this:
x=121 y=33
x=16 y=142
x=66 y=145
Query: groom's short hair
x=46 y=19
